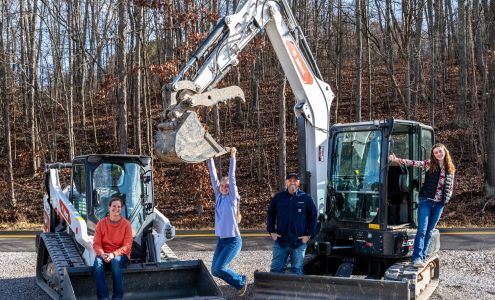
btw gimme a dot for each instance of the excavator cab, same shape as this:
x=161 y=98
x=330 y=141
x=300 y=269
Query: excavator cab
x=364 y=188
x=366 y=236
x=65 y=252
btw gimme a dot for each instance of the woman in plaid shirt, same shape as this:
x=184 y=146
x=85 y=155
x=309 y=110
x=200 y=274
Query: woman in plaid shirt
x=434 y=194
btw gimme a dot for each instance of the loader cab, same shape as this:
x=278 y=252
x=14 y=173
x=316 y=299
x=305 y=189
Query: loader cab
x=98 y=178
x=365 y=192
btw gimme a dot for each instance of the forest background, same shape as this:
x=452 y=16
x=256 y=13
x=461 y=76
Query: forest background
x=80 y=77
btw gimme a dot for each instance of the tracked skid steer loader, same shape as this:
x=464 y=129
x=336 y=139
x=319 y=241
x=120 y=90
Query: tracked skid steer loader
x=65 y=252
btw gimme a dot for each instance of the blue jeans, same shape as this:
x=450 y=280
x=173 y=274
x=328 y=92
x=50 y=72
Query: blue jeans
x=280 y=255
x=226 y=250
x=429 y=213
x=117 y=265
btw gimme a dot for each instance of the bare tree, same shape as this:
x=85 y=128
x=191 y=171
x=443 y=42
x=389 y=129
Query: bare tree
x=416 y=58
x=366 y=19
x=463 y=67
x=490 y=114
x=121 y=90
x=358 y=61
x=282 y=135
x=136 y=23
x=339 y=65
x=30 y=22
x=432 y=31
x=6 y=99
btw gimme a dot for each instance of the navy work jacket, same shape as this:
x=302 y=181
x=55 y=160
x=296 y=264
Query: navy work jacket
x=291 y=216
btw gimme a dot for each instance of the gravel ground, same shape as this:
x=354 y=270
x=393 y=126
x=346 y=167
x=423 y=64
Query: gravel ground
x=463 y=274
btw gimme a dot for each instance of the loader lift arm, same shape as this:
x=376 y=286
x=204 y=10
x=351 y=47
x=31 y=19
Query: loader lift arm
x=182 y=138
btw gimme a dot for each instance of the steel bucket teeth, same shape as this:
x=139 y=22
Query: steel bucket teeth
x=185 y=140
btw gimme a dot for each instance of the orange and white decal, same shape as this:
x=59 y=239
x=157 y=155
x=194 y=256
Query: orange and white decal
x=65 y=211
x=301 y=66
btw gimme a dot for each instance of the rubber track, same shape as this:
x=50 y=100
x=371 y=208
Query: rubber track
x=404 y=271
x=63 y=252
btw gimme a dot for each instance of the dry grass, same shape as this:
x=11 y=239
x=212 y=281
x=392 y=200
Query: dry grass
x=21 y=226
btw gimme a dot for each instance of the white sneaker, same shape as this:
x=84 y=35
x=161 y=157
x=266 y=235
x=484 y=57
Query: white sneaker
x=418 y=263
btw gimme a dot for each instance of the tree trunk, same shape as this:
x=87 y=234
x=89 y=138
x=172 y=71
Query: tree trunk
x=338 y=50
x=366 y=20
x=92 y=81
x=6 y=98
x=463 y=67
x=417 y=95
x=138 y=14
x=31 y=73
x=490 y=134
x=282 y=136
x=432 y=36
x=238 y=102
x=359 y=61
x=121 y=90
x=479 y=20
x=392 y=91
x=490 y=117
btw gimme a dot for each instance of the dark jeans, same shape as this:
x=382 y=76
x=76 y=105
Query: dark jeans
x=118 y=265
x=280 y=255
x=227 y=249
x=429 y=213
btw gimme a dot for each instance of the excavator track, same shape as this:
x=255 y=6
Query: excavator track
x=422 y=281
x=56 y=251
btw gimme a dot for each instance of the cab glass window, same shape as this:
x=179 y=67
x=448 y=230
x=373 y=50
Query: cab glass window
x=78 y=191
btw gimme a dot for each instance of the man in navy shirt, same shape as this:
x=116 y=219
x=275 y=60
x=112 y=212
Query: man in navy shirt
x=291 y=222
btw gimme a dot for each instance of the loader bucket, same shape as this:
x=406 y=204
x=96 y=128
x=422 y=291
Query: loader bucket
x=165 y=280
x=287 y=286
x=185 y=140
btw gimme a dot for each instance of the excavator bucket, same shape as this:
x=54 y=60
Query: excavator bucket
x=165 y=280
x=287 y=286
x=185 y=140
x=401 y=281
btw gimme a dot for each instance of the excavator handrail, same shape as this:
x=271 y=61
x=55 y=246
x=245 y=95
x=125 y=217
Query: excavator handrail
x=58 y=165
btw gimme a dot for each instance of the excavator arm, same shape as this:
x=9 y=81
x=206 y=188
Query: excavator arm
x=182 y=138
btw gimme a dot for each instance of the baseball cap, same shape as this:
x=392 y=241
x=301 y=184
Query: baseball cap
x=292 y=175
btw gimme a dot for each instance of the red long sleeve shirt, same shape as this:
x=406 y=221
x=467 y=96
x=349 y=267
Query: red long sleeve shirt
x=113 y=238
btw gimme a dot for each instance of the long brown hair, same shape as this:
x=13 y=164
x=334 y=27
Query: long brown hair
x=447 y=161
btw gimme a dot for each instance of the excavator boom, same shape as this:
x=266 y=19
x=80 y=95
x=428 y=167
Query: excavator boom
x=182 y=138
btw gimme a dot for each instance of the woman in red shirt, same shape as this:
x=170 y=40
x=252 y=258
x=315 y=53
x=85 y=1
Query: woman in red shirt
x=112 y=244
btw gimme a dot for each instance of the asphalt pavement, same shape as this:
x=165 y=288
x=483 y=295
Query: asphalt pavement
x=450 y=239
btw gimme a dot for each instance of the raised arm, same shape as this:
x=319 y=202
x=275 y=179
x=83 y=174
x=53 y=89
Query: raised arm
x=423 y=164
x=232 y=183
x=213 y=176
